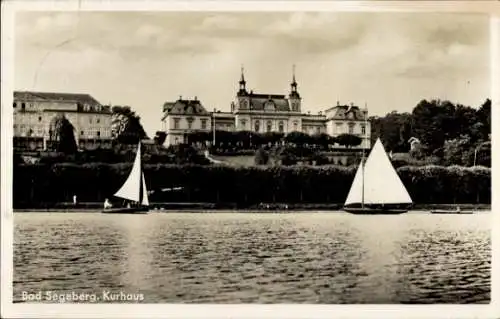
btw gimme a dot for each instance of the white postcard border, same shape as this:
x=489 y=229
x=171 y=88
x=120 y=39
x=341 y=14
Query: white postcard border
x=10 y=310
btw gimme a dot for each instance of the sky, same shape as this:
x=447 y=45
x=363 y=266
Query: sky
x=390 y=61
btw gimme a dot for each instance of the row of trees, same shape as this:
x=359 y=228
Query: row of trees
x=37 y=184
x=449 y=132
x=253 y=140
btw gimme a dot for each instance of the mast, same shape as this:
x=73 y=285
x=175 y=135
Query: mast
x=141 y=189
x=363 y=162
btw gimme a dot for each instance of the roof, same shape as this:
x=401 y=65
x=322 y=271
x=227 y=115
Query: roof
x=185 y=107
x=351 y=112
x=51 y=96
x=271 y=102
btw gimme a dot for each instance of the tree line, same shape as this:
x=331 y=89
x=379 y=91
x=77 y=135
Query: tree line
x=440 y=131
x=253 y=140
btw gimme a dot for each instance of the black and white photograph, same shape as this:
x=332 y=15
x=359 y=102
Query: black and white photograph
x=246 y=155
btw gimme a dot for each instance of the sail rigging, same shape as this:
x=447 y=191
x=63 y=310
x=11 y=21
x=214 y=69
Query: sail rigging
x=377 y=182
x=134 y=188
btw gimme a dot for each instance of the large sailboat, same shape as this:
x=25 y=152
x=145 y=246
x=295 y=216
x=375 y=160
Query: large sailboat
x=133 y=191
x=377 y=188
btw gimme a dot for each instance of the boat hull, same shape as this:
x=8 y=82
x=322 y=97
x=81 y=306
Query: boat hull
x=126 y=210
x=374 y=211
x=437 y=211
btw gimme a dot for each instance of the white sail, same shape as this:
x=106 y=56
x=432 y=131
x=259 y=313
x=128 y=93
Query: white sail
x=131 y=188
x=356 y=190
x=379 y=183
x=145 y=199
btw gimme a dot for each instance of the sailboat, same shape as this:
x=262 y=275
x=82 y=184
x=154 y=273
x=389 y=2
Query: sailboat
x=377 y=188
x=133 y=190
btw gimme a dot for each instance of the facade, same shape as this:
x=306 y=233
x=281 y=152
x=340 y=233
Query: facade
x=262 y=113
x=182 y=117
x=34 y=111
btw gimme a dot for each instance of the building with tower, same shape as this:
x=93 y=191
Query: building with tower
x=269 y=112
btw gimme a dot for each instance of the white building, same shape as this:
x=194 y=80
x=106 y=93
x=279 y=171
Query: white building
x=34 y=111
x=262 y=113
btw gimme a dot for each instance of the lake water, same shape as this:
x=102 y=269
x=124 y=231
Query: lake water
x=322 y=257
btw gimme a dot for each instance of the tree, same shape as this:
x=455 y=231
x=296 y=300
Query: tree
x=126 y=127
x=484 y=117
x=394 y=130
x=322 y=140
x=160 y=137
x=298 y=138
x=272 y=137
x=456 y=151
x=62 y=134
x=348 y=140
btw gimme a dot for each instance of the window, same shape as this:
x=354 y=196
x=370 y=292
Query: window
x=281 y=127
x=351 y=128
x=14 y=104
x=30 y=132
x=23 y=106
x=98 y=133
x=98 y=120
x=295 y=126
x=318 y=130
x=243 y=123
x=176 y=123
x=257 y=126
x=190 y=123
x=269 y=126
x=81 y=133
x=363 y=129
x=90 y=120
x=39 y=119
x=203 y=124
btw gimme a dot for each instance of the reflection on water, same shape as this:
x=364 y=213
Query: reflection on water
x=257 y=258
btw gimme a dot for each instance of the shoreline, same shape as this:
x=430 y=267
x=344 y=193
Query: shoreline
x=233 y=208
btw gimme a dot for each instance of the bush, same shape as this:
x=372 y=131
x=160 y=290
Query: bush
x=261 y=156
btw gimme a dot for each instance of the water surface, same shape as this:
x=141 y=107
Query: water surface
x=323 y=257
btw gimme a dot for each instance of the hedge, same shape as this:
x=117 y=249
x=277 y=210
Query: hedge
x=43 y=183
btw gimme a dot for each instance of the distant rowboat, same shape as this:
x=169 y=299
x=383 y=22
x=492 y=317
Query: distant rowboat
x=459 y=212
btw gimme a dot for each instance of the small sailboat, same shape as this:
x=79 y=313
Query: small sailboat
x=133 y=190
x=377 y=188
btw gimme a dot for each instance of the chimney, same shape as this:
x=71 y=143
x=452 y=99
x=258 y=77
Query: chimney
x=180 y=97
x=338 y=103
x=196 y=98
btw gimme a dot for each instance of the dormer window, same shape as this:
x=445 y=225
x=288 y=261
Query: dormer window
x=269 y=106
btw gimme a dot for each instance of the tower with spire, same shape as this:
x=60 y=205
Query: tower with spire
x=294 y=96
x=243 y=83
x=243 y=100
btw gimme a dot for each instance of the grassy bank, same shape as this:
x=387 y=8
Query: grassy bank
x=43 y=184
